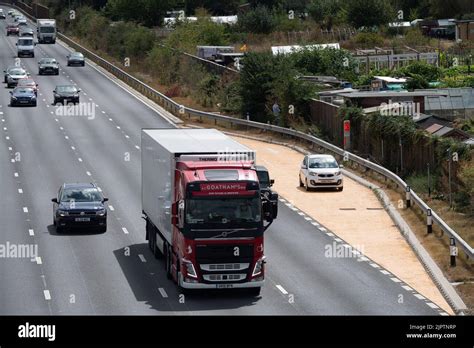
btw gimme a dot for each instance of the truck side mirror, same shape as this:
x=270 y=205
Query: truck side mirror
x=181 y=214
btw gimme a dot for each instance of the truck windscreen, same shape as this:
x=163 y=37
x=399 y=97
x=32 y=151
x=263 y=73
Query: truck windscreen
x=223 y=210
x=47 y=30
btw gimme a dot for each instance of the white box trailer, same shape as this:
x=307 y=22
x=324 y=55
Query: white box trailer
x=161 y=149
x=46 y=30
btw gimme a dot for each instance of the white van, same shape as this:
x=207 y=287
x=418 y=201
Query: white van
x=26 y=47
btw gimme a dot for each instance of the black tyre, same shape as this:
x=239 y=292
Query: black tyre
x=83 y=64
x=301 y=183
x=306 y=186
x=341 y=188
x=59 y=229
x=103 y=229
x=34 y=104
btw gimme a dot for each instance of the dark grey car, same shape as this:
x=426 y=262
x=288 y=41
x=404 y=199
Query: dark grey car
x=48 y=66
x=66 y=94
x=79 y=205
x=75 y=58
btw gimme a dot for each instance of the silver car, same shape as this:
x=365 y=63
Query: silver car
x=320 y=171
x=15 y=74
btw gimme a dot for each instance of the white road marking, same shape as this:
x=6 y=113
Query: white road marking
x=124 y=230
x=61 y=128
x=284 y=292
x=315 y=224
x=126 y=136
x=137 y=147
x=72 y=147
x=374 y=265
x=79 y=159
x=322 y=229
x=8 y=138
x=338 y=239
x=110 y=119
x=420 y=297
x=99 y=189
x=396 y=280
x=363 y=258
x=38 y=260
x=142 y=258
x=118 y=127
x=5 y=128
x=66 y=137
x=47 y=295
x=12 y=160
x=15 y=175
x=88 y=173
x=103 y=112
x=432 y=305
x=301 y=213
x=31 y=232
x=444 y=314
x=163 y=292
x=384 y=272
x=20 y=191
x=111 y=208
x=308 y=218
x=281 y=200
x=25 y=209
x=56 y=120
x=407 y=288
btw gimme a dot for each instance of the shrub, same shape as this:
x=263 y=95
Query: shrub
x=369 y=40
x=260 y=20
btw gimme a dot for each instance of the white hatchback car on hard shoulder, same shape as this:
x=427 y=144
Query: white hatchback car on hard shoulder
x=320 y=171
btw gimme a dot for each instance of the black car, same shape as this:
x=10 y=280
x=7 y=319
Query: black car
x=23 y=96
x=48 y=66
x=66 y=94
x=79 y=205
x=75 y=58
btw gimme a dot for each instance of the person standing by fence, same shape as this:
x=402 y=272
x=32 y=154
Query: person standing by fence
x=276 y=113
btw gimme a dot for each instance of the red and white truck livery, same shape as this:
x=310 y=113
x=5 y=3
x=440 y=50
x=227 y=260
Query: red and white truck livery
x=204 y=211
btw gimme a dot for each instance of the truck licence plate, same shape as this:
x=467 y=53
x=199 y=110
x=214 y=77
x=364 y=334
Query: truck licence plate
x=224 y=286
x=83 y=219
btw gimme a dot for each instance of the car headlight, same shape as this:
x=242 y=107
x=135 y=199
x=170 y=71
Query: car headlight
x=188 y=265
x=76 y=95
x=33 y=97
x=100 y=212
x=337 y=173
x=63 y=213
x=13 y=97
x=313 y=174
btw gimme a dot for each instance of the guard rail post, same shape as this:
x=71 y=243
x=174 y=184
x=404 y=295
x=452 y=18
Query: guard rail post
x=407 y=197
x=429 y=221
x=453 y=251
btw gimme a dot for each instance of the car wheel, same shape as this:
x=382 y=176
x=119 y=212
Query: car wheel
x=83 y=64
x=57 y=72
x=34 y=104
x=68 y=64
x=103 y=229
x=306 y=185
x=301 y=183
x=59 y=229
x=341 y=188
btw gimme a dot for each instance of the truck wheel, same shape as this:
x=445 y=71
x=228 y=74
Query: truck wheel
x=154 y=249
x=184 y=291
x=255 y=291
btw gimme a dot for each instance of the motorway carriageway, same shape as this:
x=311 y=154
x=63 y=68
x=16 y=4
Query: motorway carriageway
x=114 y=273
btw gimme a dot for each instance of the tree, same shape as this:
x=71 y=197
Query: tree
x=146 y=12
x=258 y=20
x=325 y=12
x=369 y=13
x=218 y=8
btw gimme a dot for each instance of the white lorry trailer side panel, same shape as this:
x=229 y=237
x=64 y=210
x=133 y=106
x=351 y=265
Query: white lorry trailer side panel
x=160 y=148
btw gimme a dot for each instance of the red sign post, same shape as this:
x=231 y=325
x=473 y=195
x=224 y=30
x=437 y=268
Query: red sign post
x=347 y=134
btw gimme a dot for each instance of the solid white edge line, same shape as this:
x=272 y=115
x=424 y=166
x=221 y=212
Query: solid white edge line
x=47 y=295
